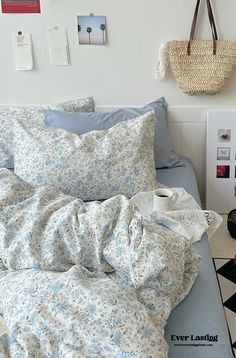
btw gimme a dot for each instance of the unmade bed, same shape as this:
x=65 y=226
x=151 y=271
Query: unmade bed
x=196 y=328
x=83 y=271
x=201 y=313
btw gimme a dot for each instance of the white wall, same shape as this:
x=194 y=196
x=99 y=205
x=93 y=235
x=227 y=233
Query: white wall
x=120 y=73
x=117 y=74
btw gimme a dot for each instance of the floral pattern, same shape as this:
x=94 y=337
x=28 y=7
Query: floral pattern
x=31 y=114
x=93 y=166
x=86 y=280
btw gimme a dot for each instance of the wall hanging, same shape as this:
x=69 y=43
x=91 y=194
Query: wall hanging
x=22 y=51
x=91 y=30
x=58 y=46
x=200 y=67
x=20 y=6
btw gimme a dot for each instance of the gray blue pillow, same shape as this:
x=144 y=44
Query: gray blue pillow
x=80 y=123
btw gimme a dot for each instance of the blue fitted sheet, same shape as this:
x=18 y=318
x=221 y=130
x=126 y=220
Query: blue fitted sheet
x=201 y=312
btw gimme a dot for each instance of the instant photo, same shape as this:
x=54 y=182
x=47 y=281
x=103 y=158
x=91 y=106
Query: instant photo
x=224 y=135
x=223 y=153
x=222 y=171
x=91 y=30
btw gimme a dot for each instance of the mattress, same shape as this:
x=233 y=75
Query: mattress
x=197 y=327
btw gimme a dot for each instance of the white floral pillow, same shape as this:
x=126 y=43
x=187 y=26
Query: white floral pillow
x=93 y=166
x=31 y=113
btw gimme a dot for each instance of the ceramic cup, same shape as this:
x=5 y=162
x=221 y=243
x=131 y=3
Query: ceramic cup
x=163 y=199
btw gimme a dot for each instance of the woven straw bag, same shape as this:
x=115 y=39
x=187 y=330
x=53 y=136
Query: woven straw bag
x=202 y=67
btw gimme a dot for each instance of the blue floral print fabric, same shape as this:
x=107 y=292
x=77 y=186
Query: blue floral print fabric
x=85 y=280
x=31 y=114
x=93 y=166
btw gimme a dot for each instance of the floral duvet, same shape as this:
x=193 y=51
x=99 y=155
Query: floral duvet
x=85 y=280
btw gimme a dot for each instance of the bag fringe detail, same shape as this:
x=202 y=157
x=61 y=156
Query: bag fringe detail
x=162 y=62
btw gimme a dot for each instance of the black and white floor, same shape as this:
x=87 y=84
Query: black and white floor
x=226 y=273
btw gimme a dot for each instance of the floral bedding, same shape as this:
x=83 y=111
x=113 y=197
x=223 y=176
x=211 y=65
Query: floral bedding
x=85 y=280
x=93 y=166
x=31 y=114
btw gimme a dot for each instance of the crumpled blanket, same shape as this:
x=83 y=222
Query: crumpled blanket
x=86 y=280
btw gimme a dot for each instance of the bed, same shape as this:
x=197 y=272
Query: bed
x=92 y=275
x=201 y=312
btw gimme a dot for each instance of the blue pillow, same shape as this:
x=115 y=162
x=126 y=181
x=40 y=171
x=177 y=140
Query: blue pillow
x=81 y=123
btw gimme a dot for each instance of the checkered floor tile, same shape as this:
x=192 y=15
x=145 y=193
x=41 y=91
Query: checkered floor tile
x=226 y=273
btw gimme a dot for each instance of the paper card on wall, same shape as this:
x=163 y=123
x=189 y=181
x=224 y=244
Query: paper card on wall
x=20 y=6
x=58 y=45
x=22 y=51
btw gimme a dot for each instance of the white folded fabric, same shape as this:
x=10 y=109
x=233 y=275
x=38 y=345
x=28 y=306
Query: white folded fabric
x=185 y=218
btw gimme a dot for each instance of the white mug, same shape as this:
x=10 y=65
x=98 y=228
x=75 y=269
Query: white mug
x=163 y=199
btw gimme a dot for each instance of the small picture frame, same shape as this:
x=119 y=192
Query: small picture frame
x=223 y=153
x=223 y=171
x=224 y=135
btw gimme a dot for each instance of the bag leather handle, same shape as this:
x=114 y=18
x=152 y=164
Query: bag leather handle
x=212 y=24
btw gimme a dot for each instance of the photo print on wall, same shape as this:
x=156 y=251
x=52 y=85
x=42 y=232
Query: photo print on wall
x=91 y=30
x=223 y=153
x=222 y=171
x=20 y=6
x=224 y=135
